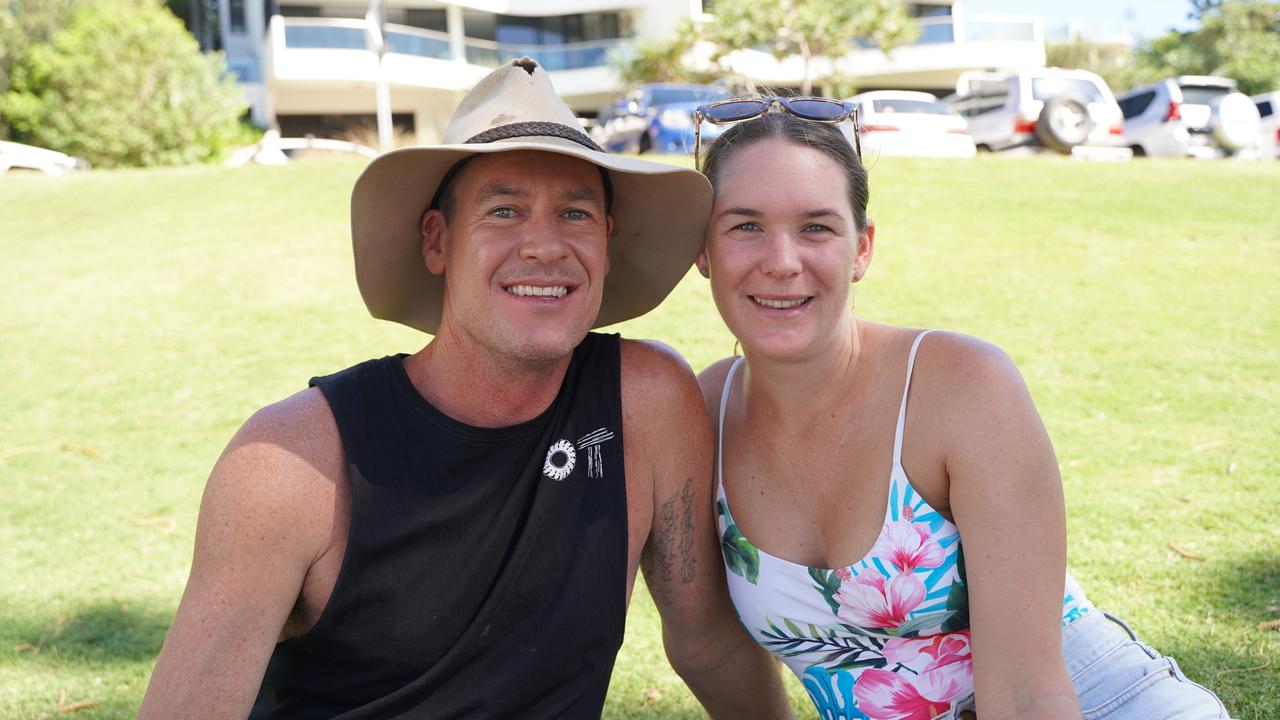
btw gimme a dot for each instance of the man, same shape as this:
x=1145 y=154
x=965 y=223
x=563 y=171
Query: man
x=455 y=533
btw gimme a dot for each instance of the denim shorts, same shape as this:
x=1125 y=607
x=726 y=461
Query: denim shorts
x=1119 y=677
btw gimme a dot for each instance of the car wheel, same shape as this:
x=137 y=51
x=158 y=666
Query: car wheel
x=1235 y=122
x=1138 y=151
x=1064 y=122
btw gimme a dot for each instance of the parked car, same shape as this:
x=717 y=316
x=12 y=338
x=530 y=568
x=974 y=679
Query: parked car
x=902 y=122
x=657 y=117
x=1191 y=115
x=1067 y=111
x=1268 y=105
x=28 y=157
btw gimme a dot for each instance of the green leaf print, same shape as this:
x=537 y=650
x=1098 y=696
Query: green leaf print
x=826 y=646
x=828 y=583
x=958 y=599
x=740 y=555
x=913 y=627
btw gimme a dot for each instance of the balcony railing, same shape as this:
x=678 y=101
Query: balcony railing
x=974 y=28
x=330 y=34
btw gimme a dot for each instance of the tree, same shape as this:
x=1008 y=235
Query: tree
x=25 y=24
x=123 y=83
x=667 y=61
x=1239 y=39
x=809 y=28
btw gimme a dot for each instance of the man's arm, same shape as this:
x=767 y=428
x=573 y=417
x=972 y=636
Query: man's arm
x=668 y=438
x=267 y=515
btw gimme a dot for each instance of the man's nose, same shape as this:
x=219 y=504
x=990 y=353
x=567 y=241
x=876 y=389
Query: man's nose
x=542 y=241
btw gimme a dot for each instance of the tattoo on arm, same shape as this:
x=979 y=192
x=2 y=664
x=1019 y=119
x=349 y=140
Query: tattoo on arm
x=688 y=566
x=672 y=536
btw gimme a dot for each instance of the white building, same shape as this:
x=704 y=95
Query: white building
x=306 y=67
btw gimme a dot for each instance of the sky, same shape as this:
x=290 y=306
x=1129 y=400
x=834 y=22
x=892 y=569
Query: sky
x=1144 y=18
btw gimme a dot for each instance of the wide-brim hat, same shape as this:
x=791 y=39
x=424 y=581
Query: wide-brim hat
x=659 y=211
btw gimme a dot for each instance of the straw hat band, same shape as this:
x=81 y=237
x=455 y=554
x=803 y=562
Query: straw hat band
x=534 y=129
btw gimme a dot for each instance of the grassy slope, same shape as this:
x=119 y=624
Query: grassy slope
x=144 y=315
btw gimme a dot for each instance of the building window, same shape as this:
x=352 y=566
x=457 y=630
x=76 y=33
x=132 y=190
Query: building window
x=236 y=10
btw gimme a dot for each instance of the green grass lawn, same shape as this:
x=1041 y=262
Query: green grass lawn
x=145 y=315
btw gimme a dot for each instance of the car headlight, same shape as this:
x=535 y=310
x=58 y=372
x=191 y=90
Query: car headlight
x=676 y=119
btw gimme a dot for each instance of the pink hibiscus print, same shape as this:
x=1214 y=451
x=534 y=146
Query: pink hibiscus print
x=884 y=695
x=870 y=601
x=908 y=546
x=929 y=653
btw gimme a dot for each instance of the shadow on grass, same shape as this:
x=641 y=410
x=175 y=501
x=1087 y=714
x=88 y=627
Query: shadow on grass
x=1235 y=658
x=98 y=634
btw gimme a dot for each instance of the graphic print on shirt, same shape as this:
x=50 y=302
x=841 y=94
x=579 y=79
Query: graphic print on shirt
x=562 y=456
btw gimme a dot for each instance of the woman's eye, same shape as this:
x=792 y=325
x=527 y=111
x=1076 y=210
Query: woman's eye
x=816 y=228
x=746 y=227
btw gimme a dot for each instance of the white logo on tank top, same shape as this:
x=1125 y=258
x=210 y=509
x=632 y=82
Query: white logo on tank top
x=562 y=456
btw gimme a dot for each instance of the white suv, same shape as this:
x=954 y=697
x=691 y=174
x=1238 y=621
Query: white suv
x=1191 y=115
x=1268 y=105
x=1067 y=111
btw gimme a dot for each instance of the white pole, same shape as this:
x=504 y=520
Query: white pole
x=374 y=20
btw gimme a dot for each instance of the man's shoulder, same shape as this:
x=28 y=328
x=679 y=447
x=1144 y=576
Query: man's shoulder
x=658 y=385
x=285 y=449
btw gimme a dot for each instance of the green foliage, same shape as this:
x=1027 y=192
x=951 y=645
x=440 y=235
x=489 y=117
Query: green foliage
x=122 y=83
x=667 y=61
x=23 y=25
x=1239 y=39
x=809 y=28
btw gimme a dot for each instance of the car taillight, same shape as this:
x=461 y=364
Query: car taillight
x=1278 y=136
x=1117 y=129
x=1024 y=126
x=1174 y=113
x=879 y=128
x=958 y=131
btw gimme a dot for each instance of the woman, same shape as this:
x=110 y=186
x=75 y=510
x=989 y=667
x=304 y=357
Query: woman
x=845 y=494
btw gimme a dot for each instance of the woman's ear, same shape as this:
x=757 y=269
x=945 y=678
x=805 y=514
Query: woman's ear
x=864 y=251
x=701 y=261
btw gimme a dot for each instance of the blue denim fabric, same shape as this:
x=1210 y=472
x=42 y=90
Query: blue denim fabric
x=1119 y=677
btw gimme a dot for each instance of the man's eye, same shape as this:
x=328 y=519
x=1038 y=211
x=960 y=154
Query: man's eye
x=576 y=214
x=503 y=212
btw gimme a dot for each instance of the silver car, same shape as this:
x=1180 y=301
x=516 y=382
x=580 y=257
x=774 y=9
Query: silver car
x=1191 y=115
x=1067 y=111
x=1268 y=105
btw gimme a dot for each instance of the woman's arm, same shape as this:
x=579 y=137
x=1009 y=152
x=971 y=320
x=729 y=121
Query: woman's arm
x=1006 y=498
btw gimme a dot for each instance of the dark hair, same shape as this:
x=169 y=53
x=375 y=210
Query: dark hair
x=826 y=139
x=445 y=197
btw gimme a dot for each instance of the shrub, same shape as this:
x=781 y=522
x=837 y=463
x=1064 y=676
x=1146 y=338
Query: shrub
x=123 y=83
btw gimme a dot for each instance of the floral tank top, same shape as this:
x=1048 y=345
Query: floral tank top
x=884 y=638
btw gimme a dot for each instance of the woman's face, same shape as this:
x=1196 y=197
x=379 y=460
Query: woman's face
x=783 y=248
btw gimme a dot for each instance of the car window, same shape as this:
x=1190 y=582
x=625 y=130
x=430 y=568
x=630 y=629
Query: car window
x=667 y=96
x=1044 y=88
x=1201 y=95
x=1138 y=104
x=911 y=106
x=1265 y=109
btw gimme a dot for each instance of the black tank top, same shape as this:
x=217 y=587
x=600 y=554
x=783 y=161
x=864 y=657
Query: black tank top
x=485 y=569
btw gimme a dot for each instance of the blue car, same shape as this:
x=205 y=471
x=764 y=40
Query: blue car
x=657 y=117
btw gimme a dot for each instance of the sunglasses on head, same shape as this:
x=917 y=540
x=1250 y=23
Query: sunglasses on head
x=814 y=109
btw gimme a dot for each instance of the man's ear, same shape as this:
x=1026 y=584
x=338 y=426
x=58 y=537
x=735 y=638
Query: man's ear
x=433 y=230
x=608 y=238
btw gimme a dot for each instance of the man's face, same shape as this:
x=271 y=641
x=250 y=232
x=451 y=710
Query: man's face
x=524 y=255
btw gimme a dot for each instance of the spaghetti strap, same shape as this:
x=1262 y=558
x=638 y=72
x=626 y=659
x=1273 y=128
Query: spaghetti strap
x=902 y=410
x=724 y=403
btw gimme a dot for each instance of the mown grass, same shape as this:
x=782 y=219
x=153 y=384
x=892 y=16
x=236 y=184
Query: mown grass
x=144 y=315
